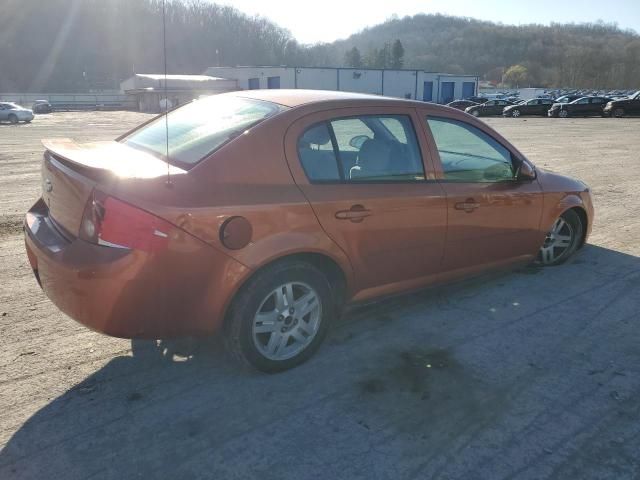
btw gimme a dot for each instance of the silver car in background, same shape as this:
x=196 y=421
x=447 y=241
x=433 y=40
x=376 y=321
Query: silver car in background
x=14 y=113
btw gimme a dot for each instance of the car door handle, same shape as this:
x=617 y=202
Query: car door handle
x=469 y=205
x=356 y=214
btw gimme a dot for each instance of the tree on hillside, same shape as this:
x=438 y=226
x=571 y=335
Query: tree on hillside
x=353 y=58
x=516 y=76
x=397 y=54
x=95 y=44
x=590 y=55
x=495 y=75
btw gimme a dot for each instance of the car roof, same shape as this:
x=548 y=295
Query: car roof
x=295 y=98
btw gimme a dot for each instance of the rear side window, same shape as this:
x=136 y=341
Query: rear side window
x=200 y=128
x=317 y=155
x=468 y=154
x=368 y=148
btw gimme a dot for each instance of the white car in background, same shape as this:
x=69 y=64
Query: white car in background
x=14 y=113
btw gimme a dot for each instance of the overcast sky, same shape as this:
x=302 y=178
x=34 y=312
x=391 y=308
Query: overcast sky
x=328 y=20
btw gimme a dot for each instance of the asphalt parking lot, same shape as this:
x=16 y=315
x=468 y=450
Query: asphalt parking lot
x=526 y=375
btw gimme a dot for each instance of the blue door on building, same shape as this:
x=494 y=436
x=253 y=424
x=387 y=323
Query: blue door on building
x=254 y=83
x=273 y=82
x=468 y=89
x=427 y=95
x=446 y=92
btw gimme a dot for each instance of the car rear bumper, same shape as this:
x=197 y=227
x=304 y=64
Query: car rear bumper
x=130 y=293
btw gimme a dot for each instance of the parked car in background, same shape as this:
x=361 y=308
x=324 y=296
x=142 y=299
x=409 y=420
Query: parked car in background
x=488 y=108
x=567 y=98
x=42 y=106
x=461 y=104
x=583 y=107
x=624 y=106
x=535 y=106
x=14 y=113
x=477 y=99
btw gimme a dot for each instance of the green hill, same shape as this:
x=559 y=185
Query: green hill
x=75 y=46
x=578 y=55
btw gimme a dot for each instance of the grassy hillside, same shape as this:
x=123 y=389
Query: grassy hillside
x=71 y=45
x=580 y=55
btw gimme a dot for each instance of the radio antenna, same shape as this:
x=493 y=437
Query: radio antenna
x=166 y=94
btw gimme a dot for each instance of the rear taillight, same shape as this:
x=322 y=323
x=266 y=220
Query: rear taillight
x=111 y=222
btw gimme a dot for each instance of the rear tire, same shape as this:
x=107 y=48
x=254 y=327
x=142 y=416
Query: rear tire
x=280 y=317
x=562 y=240
x=13 y=119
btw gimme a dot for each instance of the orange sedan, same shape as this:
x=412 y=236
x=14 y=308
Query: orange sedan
x=274 y=209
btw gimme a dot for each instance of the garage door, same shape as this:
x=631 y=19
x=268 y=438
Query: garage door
x=427 y=94
x=468 y=89
x=446 y=92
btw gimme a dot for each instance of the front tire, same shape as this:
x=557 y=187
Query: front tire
x=515 y=113
x=475 y=113
x=618 y=112
x=13 y=119
x=280 y=317
x=563 y=114
x=562 y=240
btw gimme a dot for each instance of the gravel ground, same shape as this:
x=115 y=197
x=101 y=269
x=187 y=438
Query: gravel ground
x=527 y=375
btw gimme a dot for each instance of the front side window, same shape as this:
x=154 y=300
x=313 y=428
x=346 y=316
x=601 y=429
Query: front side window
x=468 y=154
x=368 y=148
x=582 y=101
x=199 y=128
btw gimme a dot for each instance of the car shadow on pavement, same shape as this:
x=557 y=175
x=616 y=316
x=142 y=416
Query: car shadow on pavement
x=477 y=380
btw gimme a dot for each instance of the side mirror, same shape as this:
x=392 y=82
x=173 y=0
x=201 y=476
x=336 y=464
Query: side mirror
x=526 y=172
x=357 y=141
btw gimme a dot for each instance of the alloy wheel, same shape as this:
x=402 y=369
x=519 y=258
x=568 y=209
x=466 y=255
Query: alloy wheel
x=618 y=112
x=563 y=114
x=516 y=113
x=557 y=242
x=287 y=321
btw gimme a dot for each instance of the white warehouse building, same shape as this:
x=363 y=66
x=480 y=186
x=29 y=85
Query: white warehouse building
x=412 y=84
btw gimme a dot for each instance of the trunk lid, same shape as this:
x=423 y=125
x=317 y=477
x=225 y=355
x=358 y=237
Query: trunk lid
x=71 y=171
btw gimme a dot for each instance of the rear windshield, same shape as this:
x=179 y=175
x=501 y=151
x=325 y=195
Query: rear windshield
x=200 y=128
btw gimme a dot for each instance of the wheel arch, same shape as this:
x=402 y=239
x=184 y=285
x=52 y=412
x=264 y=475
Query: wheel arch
x=338 y=279
x=559 y=204
x=584 y=218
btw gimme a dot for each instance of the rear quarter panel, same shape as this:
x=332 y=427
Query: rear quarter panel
x=248 y=177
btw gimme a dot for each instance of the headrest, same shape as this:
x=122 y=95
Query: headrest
x=374 y=155
x=318 y=135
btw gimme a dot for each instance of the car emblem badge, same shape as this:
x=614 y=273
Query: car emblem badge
x=48 y=186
